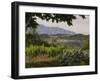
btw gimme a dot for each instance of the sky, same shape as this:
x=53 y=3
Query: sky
x=80 y=25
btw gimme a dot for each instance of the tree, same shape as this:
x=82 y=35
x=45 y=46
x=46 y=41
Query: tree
x=31 y=18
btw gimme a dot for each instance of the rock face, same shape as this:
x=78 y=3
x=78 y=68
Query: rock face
x=42 y=29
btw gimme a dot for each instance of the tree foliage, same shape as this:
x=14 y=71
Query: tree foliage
x=32 y=17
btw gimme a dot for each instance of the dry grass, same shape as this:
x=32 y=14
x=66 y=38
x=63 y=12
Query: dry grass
x=41 y=60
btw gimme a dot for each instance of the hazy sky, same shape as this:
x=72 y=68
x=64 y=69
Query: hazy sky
x=80 y=25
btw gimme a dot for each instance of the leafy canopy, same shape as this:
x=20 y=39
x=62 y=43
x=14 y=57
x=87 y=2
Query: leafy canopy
x=32 y=17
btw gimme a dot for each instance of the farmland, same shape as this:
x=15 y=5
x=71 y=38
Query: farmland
x=57 y=50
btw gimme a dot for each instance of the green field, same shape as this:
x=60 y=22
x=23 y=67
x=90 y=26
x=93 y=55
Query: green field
x=56 y=50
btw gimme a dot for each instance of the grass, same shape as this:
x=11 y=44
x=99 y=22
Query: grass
x=43 y=56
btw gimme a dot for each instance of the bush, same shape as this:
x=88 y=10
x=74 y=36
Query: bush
x=85 y=45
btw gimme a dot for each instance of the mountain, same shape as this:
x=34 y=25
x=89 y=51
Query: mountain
x=42 y=29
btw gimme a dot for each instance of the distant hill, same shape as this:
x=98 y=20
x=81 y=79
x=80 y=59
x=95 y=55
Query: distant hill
x=75 y=37
x=42 y=29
